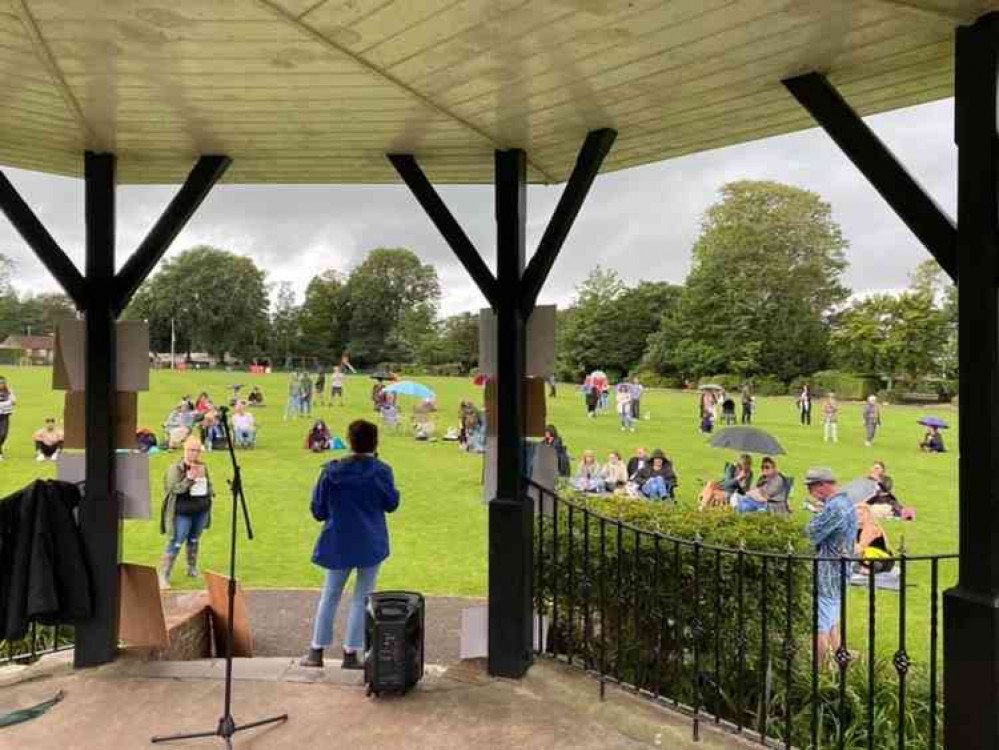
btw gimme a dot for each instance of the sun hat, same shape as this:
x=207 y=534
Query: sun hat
x=818 y=474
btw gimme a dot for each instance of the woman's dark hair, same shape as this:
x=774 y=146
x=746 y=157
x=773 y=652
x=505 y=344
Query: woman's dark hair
x=363 y=436
x=767 y=460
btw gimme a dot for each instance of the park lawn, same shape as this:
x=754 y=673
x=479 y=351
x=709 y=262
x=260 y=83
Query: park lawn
x=439 y=533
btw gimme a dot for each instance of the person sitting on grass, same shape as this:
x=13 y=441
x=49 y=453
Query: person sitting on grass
x=872 y=544
x=932 y=441
x=319 y=437
x=48 y=441
x=244 y=427
x=637 y=462
x=656 y=480
x=614 y=473
x=884 y=504
x=588 y=477
x=769 y=488
x=737 y=477
x=256 y=397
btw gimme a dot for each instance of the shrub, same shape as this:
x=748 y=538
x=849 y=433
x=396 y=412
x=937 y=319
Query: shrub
x=769 y=386
x=652 y=379
x=846 y=385
x=450 y=369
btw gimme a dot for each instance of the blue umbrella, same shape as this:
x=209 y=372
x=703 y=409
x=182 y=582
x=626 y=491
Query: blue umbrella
x=409 y=388
x=933 y=422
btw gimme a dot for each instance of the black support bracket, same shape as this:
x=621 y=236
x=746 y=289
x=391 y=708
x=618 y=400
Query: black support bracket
x=934 y=229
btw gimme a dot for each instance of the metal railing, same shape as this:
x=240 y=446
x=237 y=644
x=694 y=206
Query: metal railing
x=730 y=636
x=40 y=640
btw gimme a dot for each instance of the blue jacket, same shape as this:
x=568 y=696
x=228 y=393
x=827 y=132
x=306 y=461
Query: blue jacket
x=352 y=497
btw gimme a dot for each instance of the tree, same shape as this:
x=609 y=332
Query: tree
x=325 y=316
x=766 y=274
x=40 y=314
x=9 y=307
x=285 y=325
x=892 y=336
x=392 y=298
x=217 y=301
x=611 y=322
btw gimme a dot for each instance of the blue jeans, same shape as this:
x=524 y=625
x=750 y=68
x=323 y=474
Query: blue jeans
x=364 y=584
x=656 y=488
x=245 y=438
x=187 y=528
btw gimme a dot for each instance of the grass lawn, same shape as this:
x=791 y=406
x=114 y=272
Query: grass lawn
x=439 y=532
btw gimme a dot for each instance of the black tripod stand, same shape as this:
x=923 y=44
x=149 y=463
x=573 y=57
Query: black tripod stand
x=227 y=725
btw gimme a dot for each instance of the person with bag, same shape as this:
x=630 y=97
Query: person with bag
x=187 y=509
x=351 y=499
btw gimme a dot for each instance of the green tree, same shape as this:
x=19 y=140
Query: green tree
x=610 y=323
x=392 y=298
x=40 y=313
x=325 y=316
x=9 y=306
x=766 y=274
x=217 y=301
x=286 y=332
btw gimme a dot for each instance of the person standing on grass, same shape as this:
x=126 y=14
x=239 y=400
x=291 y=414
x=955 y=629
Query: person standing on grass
x=321 y=388
x=636 y=398
x=747 y=404
x=336 y=386
x=623 y=399
x=805 y=405
x=830 y=412
x=291 y=408
x=872 y=419
x=351 y=498
x=7 y=402
x=833 y=531
x=305 y=394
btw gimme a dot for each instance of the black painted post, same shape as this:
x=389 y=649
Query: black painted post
x=971 y=610
x=97 y=639
x=510 y=517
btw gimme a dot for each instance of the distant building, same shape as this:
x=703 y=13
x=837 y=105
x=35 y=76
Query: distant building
x=36 y=350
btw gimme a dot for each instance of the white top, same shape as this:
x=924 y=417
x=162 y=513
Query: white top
x=243 y=421
x=7 y=404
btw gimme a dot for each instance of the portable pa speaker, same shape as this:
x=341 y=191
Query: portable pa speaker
x=393 y=641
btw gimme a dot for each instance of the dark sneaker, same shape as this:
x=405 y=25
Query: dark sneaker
x=312 y=659
x=350 y=661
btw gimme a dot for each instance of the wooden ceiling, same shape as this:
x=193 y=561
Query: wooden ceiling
x=318 y=91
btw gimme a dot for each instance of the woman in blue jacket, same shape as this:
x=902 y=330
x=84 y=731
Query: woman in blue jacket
x=351 y=498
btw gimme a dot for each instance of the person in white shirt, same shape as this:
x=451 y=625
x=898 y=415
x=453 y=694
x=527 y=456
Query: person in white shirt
x=7 y=402
x=244 y=427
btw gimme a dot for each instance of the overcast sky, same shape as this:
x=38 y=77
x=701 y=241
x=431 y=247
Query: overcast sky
x=641 y=222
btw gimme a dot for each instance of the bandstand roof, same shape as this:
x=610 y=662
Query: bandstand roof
x=318 y=91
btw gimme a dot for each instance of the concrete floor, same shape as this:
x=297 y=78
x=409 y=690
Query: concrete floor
x=123 y=704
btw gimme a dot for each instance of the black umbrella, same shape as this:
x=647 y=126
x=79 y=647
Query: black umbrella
x=747 y=440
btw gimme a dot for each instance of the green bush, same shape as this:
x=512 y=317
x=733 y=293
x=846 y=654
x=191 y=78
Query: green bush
x=769 y=386
x=44 y=641
x=450 y=369
x=847 y=386
x=652 y=379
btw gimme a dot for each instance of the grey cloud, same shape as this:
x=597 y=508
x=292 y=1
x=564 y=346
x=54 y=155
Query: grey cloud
x=641 y=222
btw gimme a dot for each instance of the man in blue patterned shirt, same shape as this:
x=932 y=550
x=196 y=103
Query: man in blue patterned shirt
x=833 y=531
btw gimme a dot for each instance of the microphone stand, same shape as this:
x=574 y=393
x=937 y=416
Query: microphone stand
x=227 y=726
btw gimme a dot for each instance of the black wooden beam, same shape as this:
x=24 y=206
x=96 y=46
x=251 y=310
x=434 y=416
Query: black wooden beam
x=870 y=155
x=447 y=225
x=199 y=182
x=971 y=609
x=591 y=156
x=100 y=524
x=510 y=514
x=42 y=243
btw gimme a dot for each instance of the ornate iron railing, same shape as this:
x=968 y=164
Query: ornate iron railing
x=730 y=636
x=41 y=640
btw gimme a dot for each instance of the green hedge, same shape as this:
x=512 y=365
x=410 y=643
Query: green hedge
x=847 y=386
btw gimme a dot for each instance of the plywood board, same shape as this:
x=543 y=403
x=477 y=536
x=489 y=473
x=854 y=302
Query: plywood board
x=131 y=479
x=218 y=601
x=75 y=420
x=141 y=621
x=69 y=367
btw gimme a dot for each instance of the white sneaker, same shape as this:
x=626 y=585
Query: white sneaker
x=54 y=456
x=39 y=456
